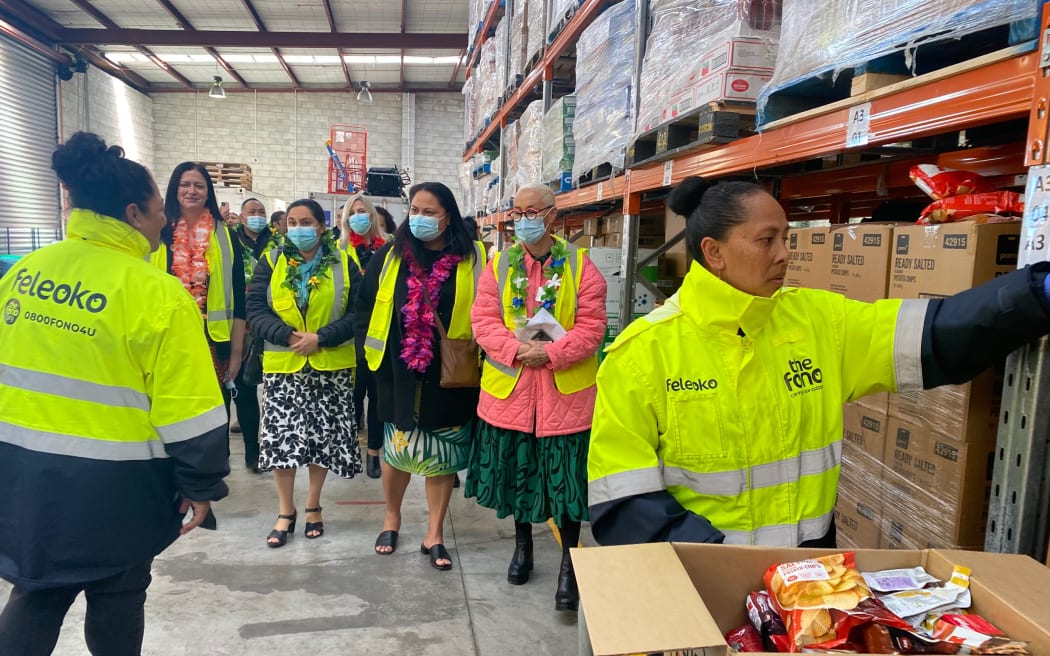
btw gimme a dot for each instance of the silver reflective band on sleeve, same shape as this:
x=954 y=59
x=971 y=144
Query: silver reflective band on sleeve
x=269 y=296
x=790 y=470
x=375 y=344
x=722 y=484
x=194 y=427
x=782 y=535
x=73 y=388
x=907 y=344
x=227 y=287
x=338 y=305
x=274 y=348
x=81 y=447
x=503 y=369
x=624 y=484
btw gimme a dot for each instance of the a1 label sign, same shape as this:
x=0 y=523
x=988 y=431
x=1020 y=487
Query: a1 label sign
x=859 y=127
x=1035 y=231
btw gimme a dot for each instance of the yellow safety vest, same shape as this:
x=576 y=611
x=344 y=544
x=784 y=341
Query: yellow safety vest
x=352 y=252
x=467 y=276
x=745 y=427
x=499 y=380
x=327 y=303
x=220 y=284
x=102 y=356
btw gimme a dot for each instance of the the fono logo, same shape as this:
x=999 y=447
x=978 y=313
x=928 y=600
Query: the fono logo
x=11 y=311
x=74 y=295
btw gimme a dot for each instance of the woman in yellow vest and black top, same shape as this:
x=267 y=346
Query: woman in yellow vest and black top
x=301 y=304
x=198 y=249
x=433 y=262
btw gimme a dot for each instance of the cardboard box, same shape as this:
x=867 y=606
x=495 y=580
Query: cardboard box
x=941 y=260
x=967 y=413
x=810 y=258
x=914 y=522
x=860 y=261
x=612 y=240
x=682 y=598
x=591 y=227
x=858 y=520
x=865 y=429
x=612 y=224
x=879 y=402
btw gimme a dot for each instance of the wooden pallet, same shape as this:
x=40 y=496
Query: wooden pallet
x=601 y=173
x=706 y=126
x=229 y=175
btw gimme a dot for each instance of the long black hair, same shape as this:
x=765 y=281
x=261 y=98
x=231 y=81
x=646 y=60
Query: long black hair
x=171 y=198
x=98 y=178
x=711 y=209
x=458 y=238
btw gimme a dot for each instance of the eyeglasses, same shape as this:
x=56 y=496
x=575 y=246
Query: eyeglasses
x=515 y=215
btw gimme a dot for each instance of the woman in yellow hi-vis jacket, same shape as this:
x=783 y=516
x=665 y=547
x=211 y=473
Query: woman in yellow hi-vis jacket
x=429 y=273
x=111 y=421
x=301 y=304
x=719 y=415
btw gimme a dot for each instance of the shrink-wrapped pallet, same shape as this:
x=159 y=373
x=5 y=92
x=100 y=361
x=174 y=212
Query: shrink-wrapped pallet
x=502 y=42
x=536 y=31
x=560 y=10
x=487 y=90
x=518 y=39
x=510 y=156
x=559 y=148
x=470 y=110
x=530 y=146
x=604 y=103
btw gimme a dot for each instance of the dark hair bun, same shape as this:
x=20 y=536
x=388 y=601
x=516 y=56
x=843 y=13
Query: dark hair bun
x=686 y=197
x=84 y=157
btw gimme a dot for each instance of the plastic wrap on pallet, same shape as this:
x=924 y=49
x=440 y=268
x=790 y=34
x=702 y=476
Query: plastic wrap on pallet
x=536 y=30
x=510 y=156
x=466 y=188
x=488 y=89
x=826 y=38
x=470 y=110
x=604 y=72
x=476 y=11
x=518 y=39
x=559 y=148
x=560 y=11
x=502 y=54
x=530 y=146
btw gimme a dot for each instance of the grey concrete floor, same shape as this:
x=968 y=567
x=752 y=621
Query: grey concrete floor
x=225 y=593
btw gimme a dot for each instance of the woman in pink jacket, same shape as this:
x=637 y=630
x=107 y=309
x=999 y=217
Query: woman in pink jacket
x=537 y=387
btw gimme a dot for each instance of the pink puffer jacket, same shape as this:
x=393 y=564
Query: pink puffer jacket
x=536 y=406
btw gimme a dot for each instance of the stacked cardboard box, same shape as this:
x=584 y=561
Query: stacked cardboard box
x=858 y=512
x=809 y=260
x=559 y=147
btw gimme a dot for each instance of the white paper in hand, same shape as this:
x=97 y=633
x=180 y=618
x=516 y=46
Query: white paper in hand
x=542 y=326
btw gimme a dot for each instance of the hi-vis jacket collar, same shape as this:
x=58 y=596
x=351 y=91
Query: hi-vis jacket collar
x=711 y=302
x=107 y=231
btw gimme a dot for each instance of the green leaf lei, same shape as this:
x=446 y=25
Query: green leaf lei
x=291 y=253
x=553 y=272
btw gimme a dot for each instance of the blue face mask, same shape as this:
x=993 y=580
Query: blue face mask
x=304 y=237
x=257 y=223
x=530 y=231
x=425 y=228
x=360 y=223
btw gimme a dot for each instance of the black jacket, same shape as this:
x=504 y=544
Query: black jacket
x=396 y=385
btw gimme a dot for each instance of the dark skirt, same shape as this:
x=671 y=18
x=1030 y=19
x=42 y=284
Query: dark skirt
x=530 y=478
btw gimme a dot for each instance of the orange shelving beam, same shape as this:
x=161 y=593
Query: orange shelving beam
x=490 y=19
x=607 y=190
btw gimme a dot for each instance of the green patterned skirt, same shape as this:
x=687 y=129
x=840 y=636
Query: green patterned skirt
x=428 y=453
x=532 y=479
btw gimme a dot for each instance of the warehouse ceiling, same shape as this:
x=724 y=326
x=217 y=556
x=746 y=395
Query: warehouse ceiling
x=265 y=45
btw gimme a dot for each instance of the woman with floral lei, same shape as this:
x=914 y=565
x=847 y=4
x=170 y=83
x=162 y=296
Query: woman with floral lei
x=198 y=249
x=427 y=274
x=300 y=303
x=537 y=389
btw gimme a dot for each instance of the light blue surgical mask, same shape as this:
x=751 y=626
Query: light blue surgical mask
x=257 y=223
x=304 y=237
x=425 y=228
x=360 y=223
x=530 y=231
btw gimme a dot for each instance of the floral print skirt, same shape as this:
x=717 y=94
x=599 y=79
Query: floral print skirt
x=428 y=452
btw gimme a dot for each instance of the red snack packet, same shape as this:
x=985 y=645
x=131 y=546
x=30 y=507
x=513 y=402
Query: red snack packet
x=745 y=638
x=975 y=622
x=940 y=183
x=958 y=208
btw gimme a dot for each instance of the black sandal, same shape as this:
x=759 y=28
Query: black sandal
x=314 y=526
x=437 y=552
x=386 y=539
x=281 y=536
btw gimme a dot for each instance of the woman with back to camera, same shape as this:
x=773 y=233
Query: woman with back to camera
x=362 y=236
x=111 y=420
x=198 y=248
x=719 y=415
x=428 y=274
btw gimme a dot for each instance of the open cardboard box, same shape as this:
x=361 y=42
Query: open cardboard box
x=682 y=598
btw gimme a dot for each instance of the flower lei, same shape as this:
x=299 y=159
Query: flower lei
x=420 y=320
x=547 y=294
x=295 y=260
x=189 y=261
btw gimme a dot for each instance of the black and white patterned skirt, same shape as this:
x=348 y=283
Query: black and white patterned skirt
x=308 y=419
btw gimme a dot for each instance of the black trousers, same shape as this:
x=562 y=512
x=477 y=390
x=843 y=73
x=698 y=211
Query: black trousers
x=365 y=383
x=113 y=626
x=247 y=402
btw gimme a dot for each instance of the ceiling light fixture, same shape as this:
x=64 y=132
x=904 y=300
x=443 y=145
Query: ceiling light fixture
x=364 y=93
x=216 y=90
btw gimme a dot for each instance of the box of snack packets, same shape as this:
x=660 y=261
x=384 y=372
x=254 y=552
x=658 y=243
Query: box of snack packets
x=685 y=599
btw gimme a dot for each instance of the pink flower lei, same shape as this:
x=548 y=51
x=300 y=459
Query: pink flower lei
x=417 y=343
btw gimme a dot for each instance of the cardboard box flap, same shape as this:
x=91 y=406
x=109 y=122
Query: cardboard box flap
x=639 y=599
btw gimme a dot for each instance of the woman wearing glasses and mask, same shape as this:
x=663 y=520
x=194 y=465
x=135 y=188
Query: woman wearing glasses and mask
x=537 y=385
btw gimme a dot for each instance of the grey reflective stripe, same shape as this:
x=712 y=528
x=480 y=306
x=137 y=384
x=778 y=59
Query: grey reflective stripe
x=274 y=254
x=573 y=256
x=226 y=248
x=374 y=343
x=503 y=369
x=73 y=388
x=722 y=484
x=907 y=344
x=624 y=484
x=81 y=447
x=274 y=348
x=501 y=282
x=790 y=470
x=194 y=426
x=338 y=305
x=783 y=535
x=479 y=262
x=220 y=315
